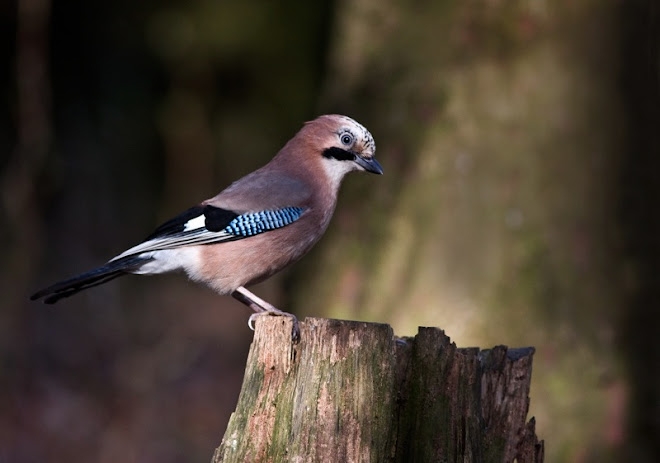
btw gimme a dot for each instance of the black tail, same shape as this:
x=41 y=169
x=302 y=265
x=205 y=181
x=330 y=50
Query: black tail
x=98 y=276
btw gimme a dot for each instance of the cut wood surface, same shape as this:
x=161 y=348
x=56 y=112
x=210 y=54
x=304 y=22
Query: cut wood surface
x=353 y=392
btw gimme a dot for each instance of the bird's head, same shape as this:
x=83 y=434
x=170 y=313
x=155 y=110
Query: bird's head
x=338 y=145
x=346 y=145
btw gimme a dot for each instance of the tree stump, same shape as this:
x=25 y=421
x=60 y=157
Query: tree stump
x=353 y=392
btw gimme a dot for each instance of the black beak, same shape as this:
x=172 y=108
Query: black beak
x=369 y=164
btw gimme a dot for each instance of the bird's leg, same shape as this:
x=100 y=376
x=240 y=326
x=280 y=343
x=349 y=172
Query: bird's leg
x=260 y=307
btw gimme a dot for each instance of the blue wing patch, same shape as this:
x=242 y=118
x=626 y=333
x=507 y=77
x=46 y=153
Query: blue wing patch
x=258 y=222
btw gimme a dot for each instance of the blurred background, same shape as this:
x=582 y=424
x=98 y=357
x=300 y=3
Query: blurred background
x=521 y=147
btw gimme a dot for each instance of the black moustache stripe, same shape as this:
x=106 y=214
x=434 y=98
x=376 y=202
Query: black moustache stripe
x=338 y=154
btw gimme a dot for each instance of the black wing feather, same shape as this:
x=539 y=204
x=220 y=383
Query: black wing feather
x=216 y=220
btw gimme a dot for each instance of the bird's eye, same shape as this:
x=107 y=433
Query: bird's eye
x=346 y=138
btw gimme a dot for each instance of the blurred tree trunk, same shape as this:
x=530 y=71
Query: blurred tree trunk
x=500 y=131
x=20 y=224
x=638 y=209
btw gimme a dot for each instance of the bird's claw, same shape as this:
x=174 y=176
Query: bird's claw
x=251 y=320
x=295 y=331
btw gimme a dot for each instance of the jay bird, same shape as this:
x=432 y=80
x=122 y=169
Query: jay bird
x=256 y=226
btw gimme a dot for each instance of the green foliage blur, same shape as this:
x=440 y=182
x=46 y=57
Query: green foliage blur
x=520 y=147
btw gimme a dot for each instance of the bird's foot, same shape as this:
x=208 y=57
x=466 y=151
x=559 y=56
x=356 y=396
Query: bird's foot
x=262 y=307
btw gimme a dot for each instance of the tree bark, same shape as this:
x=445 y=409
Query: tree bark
x=352 y=391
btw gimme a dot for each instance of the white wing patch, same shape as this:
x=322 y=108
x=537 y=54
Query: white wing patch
x=197 y=222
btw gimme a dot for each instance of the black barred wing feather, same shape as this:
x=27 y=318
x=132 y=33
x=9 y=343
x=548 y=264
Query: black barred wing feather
x=254 y=223
x=209 y=224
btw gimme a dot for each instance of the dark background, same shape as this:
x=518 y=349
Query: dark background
x=520 y=146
